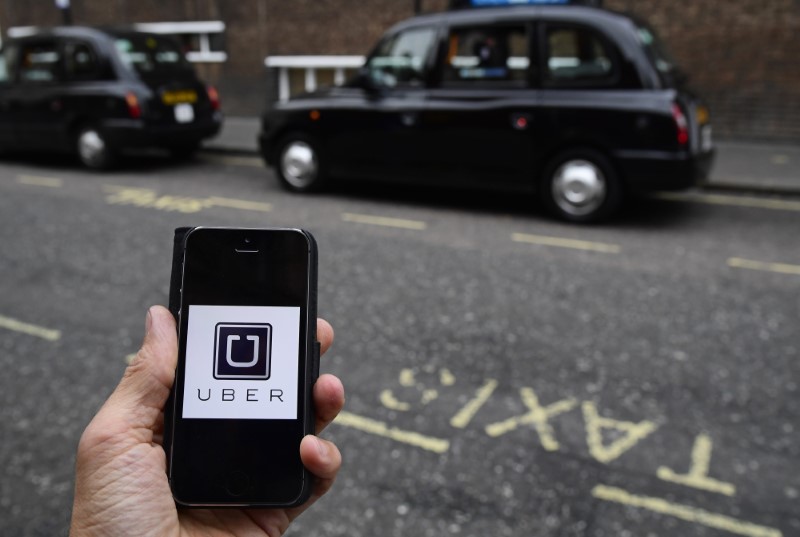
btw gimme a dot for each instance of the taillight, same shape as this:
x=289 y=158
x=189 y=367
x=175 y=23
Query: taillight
x=134 y=110
x=213 y=97
x=681 y=124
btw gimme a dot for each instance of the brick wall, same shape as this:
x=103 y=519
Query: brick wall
x=741 y=55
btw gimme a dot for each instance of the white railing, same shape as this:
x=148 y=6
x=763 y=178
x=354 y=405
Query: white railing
x=310 y=64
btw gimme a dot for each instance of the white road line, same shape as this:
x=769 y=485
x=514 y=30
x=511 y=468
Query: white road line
x=560 y=242
x=684 y=512
x=29 y=329
x=781 y=268
x=385 y=221
x=35 y=180
x=733 y=201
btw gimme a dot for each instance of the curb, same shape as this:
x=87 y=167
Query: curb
x=738 y=188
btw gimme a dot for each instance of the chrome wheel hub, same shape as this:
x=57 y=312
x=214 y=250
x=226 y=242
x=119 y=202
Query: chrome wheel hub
x=91 y=147
x=299 y=164
x=579 y=187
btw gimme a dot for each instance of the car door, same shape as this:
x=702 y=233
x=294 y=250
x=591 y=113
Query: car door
x=8 y=94
x=588 y=96
x=480 y=113
x=38 y=97
x=376 y=123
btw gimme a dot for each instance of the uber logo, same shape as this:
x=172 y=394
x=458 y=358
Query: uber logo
x=242 y=351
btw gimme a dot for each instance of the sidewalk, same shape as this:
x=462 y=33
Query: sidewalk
x=743 y=166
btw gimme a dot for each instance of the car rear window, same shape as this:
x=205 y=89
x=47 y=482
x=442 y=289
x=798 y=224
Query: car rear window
x=656 y=50
x=151 y=55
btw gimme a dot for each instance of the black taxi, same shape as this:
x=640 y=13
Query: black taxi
x=96 y=92
x=578 y=104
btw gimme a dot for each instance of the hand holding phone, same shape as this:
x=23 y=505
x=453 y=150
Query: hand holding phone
x=248 y=358
x=121 y=485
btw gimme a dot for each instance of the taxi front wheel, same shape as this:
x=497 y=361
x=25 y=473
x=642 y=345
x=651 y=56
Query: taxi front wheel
x=299 y=165
x=581 y=186
x=93 y=149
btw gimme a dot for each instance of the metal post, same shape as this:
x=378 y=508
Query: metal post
x=66 y=11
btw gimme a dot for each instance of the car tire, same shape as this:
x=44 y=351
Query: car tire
x=299 y=165
x=580 y=185
x=93 y=149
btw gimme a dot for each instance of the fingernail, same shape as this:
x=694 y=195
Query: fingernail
x=148 y=322
x=322 y=449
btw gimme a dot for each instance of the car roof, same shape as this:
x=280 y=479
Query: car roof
x=92 y=32
x=515 y=14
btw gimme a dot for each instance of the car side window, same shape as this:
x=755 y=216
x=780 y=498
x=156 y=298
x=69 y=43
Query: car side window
x=401 y=60
x=577 y=56
x=8 y=64
x=40 y=62
x=80 y=62
x=487 y=57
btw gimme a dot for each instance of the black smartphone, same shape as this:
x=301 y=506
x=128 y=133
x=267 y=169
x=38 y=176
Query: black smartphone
x=248 y=358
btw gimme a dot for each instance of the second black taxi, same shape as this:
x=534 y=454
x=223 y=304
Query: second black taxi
x=95 y=92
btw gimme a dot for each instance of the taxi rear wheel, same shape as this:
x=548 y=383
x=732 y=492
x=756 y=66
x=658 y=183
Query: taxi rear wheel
x=93 y=149
x=581 y=186
x=299 y=165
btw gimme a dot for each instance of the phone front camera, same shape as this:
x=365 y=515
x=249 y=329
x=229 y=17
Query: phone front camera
x=247 y=240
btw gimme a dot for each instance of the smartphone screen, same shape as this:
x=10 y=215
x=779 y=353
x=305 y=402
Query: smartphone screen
x=246 y=364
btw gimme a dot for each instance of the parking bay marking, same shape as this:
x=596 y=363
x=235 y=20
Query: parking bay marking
x=147 y=198
x=560 y=242
x=378 y=428
x=36 y=180
x=781 y=268
x=30 y=329
x=734 y=201
x=683 y=512
x=402 y=223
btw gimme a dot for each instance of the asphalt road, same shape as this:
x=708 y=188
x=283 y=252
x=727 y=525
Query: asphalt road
x=506 y=374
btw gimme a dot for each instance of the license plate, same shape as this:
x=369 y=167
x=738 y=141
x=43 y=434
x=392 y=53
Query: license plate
x=184 y=113
x=177 y=97
x=706 y=141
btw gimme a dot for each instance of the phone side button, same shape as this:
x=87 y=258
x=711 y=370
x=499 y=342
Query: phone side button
x=237 y=483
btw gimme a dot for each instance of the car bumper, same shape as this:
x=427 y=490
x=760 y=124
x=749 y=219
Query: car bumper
x=127 y=133
x=648 y=171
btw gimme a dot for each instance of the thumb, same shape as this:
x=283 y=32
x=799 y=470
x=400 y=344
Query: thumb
x=145 y=386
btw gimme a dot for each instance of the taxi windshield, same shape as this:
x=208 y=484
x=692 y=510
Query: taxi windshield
x=150 y=54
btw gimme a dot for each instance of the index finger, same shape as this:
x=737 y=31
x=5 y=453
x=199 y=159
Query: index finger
x=324 y=335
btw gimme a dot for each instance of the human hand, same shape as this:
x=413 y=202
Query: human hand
x=121 y=485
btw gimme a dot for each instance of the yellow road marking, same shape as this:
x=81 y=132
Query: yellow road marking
x=782 y=268
x=368 y=425
x=252 y=162
x=560 y=242
x=734 y=201
x=465 y=415
x=684 y=512
x=385 y=221
x=30 y=329
x=537 y=415
x=391 y=402
x=216 y=201
x=697 y=477
x=595 y=423
x=35 y=180
x=147 y=198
